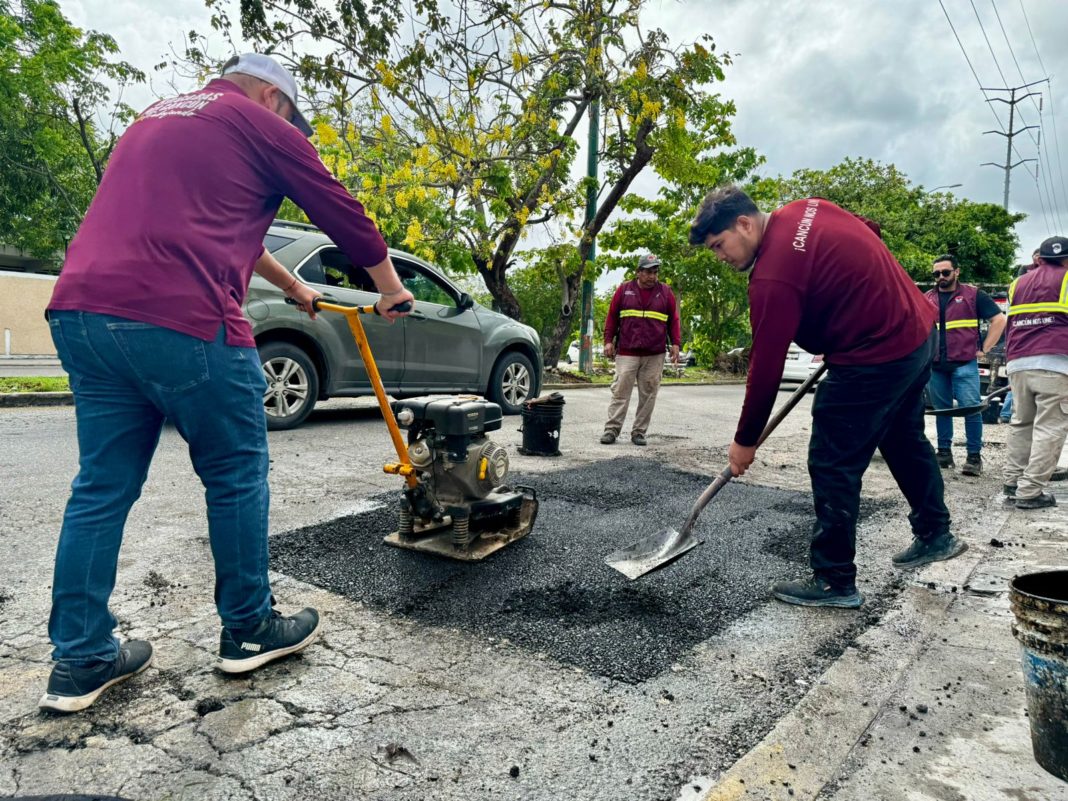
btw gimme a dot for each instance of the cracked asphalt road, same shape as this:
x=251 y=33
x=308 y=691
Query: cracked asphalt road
x=419 y=704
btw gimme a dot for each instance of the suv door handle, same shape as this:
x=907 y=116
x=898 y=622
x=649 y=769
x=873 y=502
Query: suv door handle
x=416 y=315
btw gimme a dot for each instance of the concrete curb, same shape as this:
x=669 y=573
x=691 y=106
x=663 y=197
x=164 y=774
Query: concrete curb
x=842 y=706
x=36 y=399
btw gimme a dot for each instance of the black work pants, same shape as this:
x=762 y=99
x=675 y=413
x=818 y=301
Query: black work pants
x=858 y=409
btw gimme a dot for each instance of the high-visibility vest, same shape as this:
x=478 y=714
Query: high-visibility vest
x=1038 y=313
x=645 y=328
x=962 y=324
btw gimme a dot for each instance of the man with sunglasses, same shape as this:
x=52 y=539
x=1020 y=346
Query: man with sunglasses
x=146 y=318
x=955 y=372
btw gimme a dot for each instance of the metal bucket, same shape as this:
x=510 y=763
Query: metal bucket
x=1040 y=603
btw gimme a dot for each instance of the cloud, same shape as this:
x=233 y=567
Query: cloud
x=815 y=82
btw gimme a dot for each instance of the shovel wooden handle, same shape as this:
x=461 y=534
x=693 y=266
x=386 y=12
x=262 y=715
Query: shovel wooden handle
x=724 y=478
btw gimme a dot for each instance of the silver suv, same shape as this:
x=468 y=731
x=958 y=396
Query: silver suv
x=449 y=344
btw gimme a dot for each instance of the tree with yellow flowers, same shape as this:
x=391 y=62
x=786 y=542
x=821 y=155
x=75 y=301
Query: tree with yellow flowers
x=459 y=126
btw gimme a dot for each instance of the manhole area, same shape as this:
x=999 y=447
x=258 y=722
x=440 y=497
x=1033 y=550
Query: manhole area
x=551 y=592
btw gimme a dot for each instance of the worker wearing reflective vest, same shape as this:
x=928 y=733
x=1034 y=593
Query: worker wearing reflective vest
x=1037 y=356
x=955 y=372
x=642 y=319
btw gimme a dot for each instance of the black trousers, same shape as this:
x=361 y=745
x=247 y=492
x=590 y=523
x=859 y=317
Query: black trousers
x=858 y=409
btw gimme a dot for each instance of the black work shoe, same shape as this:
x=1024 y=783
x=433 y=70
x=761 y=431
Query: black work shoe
x=607 y=438
x=638 y=439
x=945 y=458
x=1009 y=490
x=923 y=552
x=72 y=688
x=275 y=637
x=1043 y=501
x=816 y=591
x=1060 y=474
x=973 y=466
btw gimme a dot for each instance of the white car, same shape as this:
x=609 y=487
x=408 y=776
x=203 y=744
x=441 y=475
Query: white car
x=800 y=364
x=572 y=355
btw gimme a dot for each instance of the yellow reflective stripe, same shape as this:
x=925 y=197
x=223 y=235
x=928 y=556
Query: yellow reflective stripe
x=1012 y=288
x=641 y=313
x=1064 y=288
x=1038 y=308
x=961 y=324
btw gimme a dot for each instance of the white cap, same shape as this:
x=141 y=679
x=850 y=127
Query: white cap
x=267 y=69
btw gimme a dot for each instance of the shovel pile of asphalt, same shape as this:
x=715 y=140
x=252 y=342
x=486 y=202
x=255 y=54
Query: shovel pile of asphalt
x=551 y=591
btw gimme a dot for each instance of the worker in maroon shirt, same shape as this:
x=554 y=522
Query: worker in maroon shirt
x=642 y=322
x=821 y=277
x=146 y=319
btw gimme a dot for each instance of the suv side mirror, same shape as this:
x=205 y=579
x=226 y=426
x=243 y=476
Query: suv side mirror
x=465 y=301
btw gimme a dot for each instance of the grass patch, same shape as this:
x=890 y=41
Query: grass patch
x=43 y=383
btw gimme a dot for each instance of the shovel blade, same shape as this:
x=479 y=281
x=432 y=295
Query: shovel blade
x=959 y=411
x=651 y=552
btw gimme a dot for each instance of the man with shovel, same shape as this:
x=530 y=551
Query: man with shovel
x=822 y=277
x=146 y=318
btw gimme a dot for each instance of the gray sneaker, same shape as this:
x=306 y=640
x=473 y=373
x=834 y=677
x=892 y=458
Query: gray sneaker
x=607 y=438
x=817 y=591
x=923 y=552
x=276 y=636
x=72 y=688
x=638 y=439
x=1043 y=501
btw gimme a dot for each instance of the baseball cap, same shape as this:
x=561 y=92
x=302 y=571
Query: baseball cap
x=267 y=69
x=648 y=262
x=1054 y=248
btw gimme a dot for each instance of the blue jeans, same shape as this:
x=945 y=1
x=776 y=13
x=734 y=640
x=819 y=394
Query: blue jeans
x=1006 y=408
x=127 y=377
x=962 y=384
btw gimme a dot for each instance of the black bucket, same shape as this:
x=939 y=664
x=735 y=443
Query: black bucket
x=541 y=425
x=1040 y=603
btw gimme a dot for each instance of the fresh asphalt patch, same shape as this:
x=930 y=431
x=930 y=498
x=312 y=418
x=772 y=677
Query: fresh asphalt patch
x=551 y=592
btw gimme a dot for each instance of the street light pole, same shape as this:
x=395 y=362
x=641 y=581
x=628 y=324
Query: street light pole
x=944 y=186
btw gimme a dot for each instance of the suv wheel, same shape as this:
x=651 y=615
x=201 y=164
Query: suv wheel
x=292 y=385
x=512 y=382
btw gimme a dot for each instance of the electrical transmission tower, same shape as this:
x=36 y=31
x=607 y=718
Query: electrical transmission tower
x=1012 y=101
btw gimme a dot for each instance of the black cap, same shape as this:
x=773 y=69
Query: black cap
x=651 y=262
x=1054 y=249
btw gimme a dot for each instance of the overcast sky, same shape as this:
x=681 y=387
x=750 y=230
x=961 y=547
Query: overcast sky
x=816 y=81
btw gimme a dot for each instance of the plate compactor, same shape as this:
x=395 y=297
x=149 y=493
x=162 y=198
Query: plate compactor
x=459 y=506
x=456 y=503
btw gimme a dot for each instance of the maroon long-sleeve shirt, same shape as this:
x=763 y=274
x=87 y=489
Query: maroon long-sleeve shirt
x=824 y=279
x=642 y=336
x=177 y=224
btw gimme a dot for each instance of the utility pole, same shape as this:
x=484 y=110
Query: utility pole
x=1012 y=101
x=586 y=309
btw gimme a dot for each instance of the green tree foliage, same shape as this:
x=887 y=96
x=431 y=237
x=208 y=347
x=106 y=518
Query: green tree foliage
x=458 y=126
x=54 y=86
x=917 y=226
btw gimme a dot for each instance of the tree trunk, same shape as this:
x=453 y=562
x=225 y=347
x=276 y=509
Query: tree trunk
x=495 y=276
x=572 y=290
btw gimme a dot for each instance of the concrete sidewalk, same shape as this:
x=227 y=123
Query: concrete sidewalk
x=929 y=704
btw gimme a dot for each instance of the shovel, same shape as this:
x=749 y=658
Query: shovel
x=964 y=411
x=668 y=544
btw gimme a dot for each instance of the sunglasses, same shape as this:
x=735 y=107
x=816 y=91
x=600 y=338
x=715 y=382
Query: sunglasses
x=942 y=273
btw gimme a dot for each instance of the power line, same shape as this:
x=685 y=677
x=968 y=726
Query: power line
x=1052 y=111
x=1047 y=181
x=964 y=52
